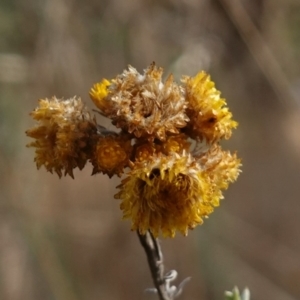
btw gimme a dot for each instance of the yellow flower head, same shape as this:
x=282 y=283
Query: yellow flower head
x=209 y=116
x=98 y=94
x=221 y=167
x=166 y=194
x=176 y=144
x=111 y=155
x=142 y=104
x=62 y=135
x=143 y=151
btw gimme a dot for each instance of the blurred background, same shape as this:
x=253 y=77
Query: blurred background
x=63 y=239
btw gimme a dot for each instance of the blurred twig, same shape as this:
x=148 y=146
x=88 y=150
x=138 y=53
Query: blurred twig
x=46 y=254
x=44 y=250
x=260 y=51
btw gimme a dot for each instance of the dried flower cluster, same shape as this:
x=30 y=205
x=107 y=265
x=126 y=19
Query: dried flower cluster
x=168 y=140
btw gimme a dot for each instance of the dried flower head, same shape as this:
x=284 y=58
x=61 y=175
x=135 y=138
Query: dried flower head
x=174 y=180
x=144 y=150
x=167 y=194
x=98 y=94
x=176 y=144
x=221 y=167
x=142 y=104
x=62 y=135
x=111 y=155
x=210 y=118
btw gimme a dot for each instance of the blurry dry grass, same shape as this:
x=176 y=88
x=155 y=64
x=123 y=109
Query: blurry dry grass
x=63 y=239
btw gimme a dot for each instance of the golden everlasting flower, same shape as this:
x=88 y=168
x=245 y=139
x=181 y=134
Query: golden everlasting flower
x=166 y=194
x=222 y=168
x=111 y=155
x=144 y=150
x=98 y=94
x=62 y=135
x=142 y=104
x=209 y=116
x=175 y=180
x=177 y=144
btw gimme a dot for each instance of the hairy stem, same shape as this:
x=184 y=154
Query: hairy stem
x=155 y=261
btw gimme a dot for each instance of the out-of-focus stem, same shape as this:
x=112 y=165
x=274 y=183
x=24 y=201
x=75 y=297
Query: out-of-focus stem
x=260 y=50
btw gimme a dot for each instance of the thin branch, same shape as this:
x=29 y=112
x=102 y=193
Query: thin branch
x=155 y=261
x=162 y=281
